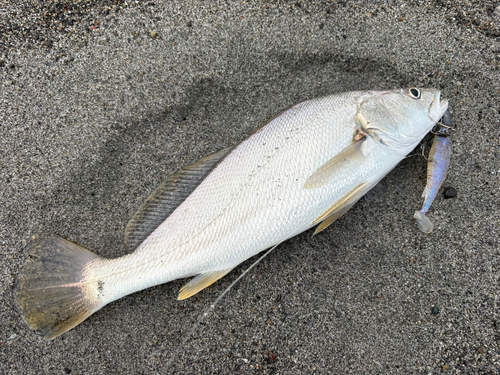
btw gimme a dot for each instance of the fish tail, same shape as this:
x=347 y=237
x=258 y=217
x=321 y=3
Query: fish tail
x=51 y=292
x=423 y=222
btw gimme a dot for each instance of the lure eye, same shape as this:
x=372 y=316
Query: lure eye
x=414 y=93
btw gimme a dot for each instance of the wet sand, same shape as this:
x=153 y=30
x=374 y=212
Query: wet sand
x=100 y=105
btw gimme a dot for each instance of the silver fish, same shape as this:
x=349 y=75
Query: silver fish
x=305 y=167
x=437 y=168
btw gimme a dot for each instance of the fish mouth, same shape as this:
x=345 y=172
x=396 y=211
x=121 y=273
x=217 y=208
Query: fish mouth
x=437 y=107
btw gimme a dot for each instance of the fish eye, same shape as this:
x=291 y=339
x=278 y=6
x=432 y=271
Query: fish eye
x=414 y=93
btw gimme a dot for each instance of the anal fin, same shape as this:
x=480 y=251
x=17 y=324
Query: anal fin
x=200 y=282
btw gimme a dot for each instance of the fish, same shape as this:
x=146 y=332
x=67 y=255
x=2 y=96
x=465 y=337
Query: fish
x=302 y=169
x=437 y=169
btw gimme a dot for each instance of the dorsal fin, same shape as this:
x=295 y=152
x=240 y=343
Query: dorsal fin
x=167 y=197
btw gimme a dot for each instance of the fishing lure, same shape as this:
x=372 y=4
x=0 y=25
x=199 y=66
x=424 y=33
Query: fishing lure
x=437 y=168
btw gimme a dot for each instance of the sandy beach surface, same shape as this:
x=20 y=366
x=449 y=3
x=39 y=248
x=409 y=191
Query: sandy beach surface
x=101 y=100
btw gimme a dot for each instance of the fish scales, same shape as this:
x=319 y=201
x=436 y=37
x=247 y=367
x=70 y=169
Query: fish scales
x=251 y=201
x=310 y=164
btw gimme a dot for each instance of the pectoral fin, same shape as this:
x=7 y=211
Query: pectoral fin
x=201 y=282
x=342 y=206
x=327 y=171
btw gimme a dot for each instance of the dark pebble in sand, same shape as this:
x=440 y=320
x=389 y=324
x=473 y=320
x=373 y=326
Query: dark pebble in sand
x=450 y=193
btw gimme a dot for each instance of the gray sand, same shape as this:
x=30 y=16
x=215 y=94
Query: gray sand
x=95 y=113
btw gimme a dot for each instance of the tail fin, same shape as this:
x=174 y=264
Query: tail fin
x=50 y=291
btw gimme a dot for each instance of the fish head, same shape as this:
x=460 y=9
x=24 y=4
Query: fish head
x=399 y=119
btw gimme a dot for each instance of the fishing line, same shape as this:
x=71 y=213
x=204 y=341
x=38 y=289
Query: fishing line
x=211 y=308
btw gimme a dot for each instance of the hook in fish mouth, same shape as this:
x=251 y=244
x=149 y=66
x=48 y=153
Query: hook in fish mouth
x=441 y=129
x=444 y=126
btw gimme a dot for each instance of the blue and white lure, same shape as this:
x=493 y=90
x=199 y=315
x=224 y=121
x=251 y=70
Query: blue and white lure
x=437 y=168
